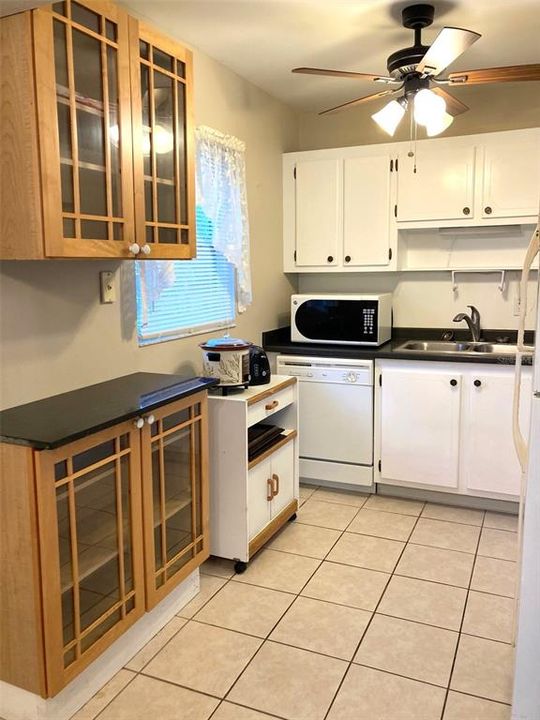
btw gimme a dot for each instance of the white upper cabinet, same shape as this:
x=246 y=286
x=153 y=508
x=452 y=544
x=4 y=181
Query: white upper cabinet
x=366 y=210
x=317 y=200
x=511 y=181
x=437 y=183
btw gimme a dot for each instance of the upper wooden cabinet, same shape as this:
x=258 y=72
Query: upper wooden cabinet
x=96 y=136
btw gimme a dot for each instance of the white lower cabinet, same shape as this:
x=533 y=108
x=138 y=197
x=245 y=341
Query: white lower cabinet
x=448 y=426
x=270 y=488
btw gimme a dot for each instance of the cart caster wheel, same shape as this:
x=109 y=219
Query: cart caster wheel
x=293 y=517
x=240 y=567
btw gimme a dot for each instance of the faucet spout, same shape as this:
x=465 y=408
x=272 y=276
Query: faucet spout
x=473 y=322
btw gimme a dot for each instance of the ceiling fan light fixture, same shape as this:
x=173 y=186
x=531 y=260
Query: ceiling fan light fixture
x=389 y=117
x=429 y=108
x=439 y=125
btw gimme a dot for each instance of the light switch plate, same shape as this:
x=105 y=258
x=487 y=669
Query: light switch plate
x=108 y=289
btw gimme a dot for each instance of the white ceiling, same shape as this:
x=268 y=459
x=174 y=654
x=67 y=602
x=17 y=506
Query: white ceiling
x=262 y=40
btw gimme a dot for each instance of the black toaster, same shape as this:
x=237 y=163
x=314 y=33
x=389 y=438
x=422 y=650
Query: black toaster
x=259 y=366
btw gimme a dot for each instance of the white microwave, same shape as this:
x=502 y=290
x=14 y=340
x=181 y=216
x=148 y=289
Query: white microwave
x=350 y=319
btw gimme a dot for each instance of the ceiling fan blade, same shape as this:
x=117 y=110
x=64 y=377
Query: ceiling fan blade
x=359 y=101
x=453 y=105
x=449 y=44
x=512 y=73
x=343 y=73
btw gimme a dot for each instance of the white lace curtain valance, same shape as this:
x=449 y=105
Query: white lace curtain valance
x=222 y=195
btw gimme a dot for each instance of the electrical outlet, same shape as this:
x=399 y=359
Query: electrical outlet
x=108 y=290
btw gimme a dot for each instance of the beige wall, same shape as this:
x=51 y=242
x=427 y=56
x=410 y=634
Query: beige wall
x=55 y=335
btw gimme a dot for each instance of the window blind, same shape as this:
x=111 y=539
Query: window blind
x=200 y=296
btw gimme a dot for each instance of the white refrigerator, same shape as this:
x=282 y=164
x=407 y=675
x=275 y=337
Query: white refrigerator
x=526 y=696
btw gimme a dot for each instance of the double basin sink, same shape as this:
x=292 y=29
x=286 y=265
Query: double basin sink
x=440 y=347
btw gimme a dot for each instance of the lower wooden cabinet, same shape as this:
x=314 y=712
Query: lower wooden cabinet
x=100 y=530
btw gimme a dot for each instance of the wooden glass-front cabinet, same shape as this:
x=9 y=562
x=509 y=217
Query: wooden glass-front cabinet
x=109 y=153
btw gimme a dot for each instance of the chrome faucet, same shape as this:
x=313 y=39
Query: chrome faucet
x=472 y=320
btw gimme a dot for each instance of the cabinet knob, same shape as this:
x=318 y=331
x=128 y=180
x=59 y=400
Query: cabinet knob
x=146 y=249
x=150 y=419
x=453 y=382
x=466 y=210
x=134 y=248
x=138 y=423
x=347 y=258
x=477 y=383
x=488 y=210
x=330 y=258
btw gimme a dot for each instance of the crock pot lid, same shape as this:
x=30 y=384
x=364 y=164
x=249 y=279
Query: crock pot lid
x=226 y=343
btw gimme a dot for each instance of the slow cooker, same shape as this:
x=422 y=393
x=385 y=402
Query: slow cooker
x=227 y=359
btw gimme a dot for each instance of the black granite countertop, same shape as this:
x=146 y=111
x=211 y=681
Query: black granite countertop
x=57 y=420
x=280 y=341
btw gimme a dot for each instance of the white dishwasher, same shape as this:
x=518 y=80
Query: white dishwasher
x=335 y=426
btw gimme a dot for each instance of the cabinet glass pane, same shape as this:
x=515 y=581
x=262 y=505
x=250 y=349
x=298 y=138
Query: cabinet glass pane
x=181 y=145
x=163 y=131
x=111 y=30
x=59 y=7
x=197 y=472
x=64 y=130
x=176 y=458
x=166 y=203
x=158 y=555
x=168 y=236
x=60 y=53
x=90 y=138
x=83 y=16
x=94 y=230
x=66 y=567
x=94 y=635
x=87 y=69
x=176 y=418
x=93 y=191
x=114 y=135
x=66 y=177
x=163 y=60
x=126 y=524
x=93 y=455
x=148 y=205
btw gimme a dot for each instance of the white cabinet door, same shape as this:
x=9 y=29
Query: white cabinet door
x=283 y=477
x=366 y=211
x=511 y=185
x=420 y=419
x=318 y=218
x=489 y=461
x=442 y=188
x=259 y=497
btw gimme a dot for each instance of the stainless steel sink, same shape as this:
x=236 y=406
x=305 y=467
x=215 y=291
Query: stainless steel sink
x=441 y=347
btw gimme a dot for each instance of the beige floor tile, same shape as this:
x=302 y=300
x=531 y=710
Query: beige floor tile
x=499 y=544
x=366 y=551
x=483 y=668
x=322 y=627
x=279 y=571
x=326 y=514
x=382 y=524
x=218 y=566
x=501 y=521
x=423 y=601
x=229 y=711
x=494 y=576
x=288 y=682
x=489 y=616
x=429 y=563
x=305 y=540
x=306 y=491
x=102 y=698
x=210 y=584
x=395 y=505
x=246 y=608
x=203 y=657
x=419 y=652
x=453 y=514
x=347 y=585
x=368 y=694
x=152 y=647
x=340 y=496
x=147 y=697
x=465 y=707
x=447 y=535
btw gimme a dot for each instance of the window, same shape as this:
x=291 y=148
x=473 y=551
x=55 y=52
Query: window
x=185 y=297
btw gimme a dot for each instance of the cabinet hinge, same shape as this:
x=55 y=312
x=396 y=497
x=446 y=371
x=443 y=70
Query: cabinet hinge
x=294 y=173
x=391 y=165
x=380 y=380
x=395 y=210
x=295 y=256
x=396 y=164
x=389 y=253
x=380 y=468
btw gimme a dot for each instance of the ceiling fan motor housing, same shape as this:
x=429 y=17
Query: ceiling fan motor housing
x=403 y=62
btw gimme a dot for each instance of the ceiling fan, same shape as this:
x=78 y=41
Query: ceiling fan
x=417 y=69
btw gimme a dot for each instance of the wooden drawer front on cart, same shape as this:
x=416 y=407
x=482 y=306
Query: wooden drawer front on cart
x=264 y=405
x=90 y=530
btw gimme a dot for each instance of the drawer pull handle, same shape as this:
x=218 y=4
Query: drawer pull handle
x=272 y=405
x=269 y=489
x=275 y=479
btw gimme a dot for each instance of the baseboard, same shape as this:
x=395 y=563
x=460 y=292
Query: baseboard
x=443 y=498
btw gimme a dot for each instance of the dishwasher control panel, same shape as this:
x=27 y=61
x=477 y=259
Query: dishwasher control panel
x=329 y=370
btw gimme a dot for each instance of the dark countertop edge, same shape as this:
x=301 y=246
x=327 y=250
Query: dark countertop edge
x=279 y=341
x=205 y=384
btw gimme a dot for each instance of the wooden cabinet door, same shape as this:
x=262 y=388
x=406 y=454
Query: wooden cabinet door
x=437 y=183
x=92 y=565
x=163 y=147
x=318 y=213
x=282 y=475
x=259 y=497
x=175 y=493
x=366 y=211
x=420 y=423
x=511 y=182
x=84 y=124
x=489 y=460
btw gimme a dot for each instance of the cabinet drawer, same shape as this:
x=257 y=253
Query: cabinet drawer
x=271 y=403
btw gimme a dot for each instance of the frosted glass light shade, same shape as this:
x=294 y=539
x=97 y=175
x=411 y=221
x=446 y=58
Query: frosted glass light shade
x=428 y=107
x=390 y=116
x=439 y=125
